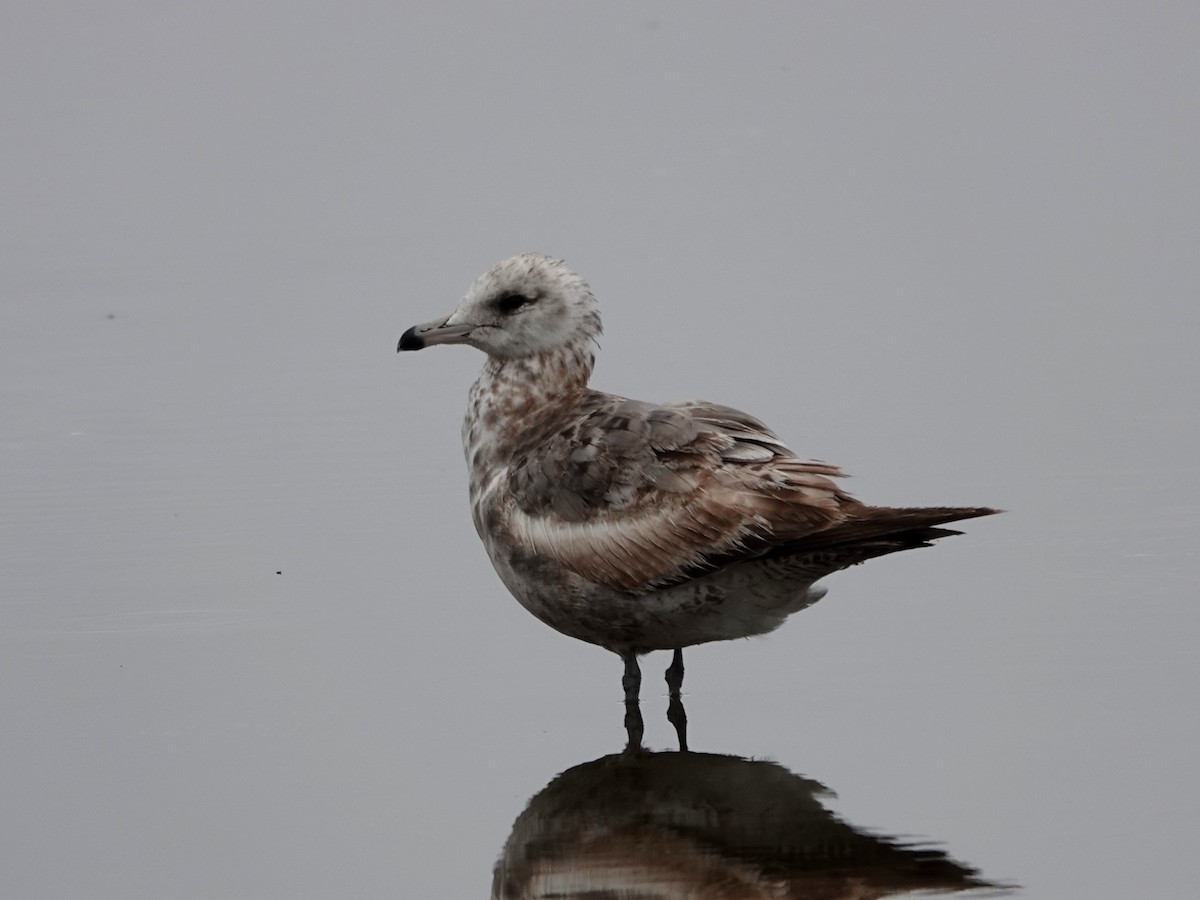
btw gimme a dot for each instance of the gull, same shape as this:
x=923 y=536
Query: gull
x=640 y=526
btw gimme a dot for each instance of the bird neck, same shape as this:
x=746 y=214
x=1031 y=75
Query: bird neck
x=516 y=404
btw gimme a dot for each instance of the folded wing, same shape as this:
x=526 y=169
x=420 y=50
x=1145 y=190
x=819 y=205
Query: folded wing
x=635 y=495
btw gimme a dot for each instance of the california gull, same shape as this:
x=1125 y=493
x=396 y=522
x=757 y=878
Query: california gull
x=640 y=526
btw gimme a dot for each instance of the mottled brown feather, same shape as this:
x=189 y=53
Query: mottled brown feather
x=635 y=495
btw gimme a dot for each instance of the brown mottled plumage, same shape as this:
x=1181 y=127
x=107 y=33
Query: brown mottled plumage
x=640 y=526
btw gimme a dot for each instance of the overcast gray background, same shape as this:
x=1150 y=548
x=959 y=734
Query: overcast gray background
x=251 y=646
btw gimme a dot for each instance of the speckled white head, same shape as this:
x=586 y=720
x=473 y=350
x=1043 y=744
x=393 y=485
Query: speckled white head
x=526 y=306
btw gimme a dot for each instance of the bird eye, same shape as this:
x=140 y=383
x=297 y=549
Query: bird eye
x=512 y=302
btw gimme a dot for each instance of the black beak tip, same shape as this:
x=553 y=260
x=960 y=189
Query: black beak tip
x=410 y=340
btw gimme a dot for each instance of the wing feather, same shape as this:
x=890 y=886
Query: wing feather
x=635 y=496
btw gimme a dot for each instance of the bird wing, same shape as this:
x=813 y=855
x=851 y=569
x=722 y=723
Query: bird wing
x=635 y=495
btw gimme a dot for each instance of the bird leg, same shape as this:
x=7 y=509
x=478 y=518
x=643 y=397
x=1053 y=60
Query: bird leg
x=676 y=714
x=631 y=681
x=675 y=673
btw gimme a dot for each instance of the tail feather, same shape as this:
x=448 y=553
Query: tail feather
x=871 y=531
x=898 y=524
x=878 y=532
x=824 y=561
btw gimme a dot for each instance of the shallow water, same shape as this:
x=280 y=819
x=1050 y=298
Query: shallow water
x=249 y=643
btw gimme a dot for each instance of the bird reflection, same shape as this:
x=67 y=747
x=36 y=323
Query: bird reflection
x=641 y=824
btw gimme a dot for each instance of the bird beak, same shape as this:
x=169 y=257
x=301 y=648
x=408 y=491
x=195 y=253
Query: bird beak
x=439 y=331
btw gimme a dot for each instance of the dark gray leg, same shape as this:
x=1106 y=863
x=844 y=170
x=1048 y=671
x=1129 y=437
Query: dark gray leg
x=632 y=679
x=675 y=711
x=675 y=673
x=632 y=682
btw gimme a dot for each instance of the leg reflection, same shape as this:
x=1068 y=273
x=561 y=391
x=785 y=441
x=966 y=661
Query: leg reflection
x=676 y=714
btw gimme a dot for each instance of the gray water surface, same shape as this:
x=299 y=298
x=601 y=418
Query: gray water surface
x=250 y=645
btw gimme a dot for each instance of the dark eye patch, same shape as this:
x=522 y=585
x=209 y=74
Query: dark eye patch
x=512 y=302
